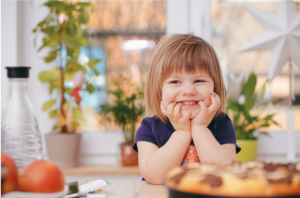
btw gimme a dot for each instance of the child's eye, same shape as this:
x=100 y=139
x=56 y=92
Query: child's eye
x=175 y=82
x=199 y=81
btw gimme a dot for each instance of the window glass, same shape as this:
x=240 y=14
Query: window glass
x=123 y=35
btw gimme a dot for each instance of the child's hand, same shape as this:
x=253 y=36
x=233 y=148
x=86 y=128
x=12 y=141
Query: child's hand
x=180 y=123
x=206 y=113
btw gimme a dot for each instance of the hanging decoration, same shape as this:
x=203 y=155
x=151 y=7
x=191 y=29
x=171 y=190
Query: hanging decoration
x=282 y=36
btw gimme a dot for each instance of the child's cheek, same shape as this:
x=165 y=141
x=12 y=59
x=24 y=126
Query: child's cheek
x=165 y=104
x=207 y=99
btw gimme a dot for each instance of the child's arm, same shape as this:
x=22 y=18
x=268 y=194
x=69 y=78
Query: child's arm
x=208 y=148
x=155 y=162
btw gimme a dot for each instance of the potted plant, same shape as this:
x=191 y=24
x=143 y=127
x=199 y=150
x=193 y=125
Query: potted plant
x=63 y=34
x=125 y=109
x=246 y=122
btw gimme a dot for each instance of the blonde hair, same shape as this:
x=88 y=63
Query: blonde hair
x=181 y=53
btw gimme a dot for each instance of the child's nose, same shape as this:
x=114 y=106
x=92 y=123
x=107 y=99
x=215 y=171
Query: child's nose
x=189 y=90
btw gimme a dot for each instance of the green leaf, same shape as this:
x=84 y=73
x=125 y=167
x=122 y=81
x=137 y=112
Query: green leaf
x=53 y=85
x=68 y=40
x=53 y=113
x=68 y=90
x=261 y=91
x=74 y=124
x=83 y=17
x=51 y=30
x=276 y=123
x=277 y=101
x=232 y=105
x=83 y=4
x=45 y=76
x=34 y=30
x=50 y=58
x=73 y=52
x=268 y=117
x=252 y=119
x=49 y=19
x=92 y=63
x=73 y=41
x=249 y=104
x=51 y=41
x=90 y=88
x=265 y=133
x=59 y=6
x=72 y=67
x=77 y=113
x=41 y=24
x=55 y=127
x=264 y=125
x=96 y=72
x=48 y=104
x=55 y=74
x=80 y=41
x=249 y=86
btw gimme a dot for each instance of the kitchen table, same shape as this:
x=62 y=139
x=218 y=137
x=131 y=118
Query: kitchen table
x=135 y=189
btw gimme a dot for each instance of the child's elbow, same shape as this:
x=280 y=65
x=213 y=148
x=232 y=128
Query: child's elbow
x=152 y=179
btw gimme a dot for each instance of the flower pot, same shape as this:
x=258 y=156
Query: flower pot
x=63 y=148
x=248 y=152
x=129 y=156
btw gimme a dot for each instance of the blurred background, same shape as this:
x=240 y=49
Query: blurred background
x=122 y=35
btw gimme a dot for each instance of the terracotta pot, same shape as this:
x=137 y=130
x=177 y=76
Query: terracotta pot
x=63 y=148
x=129 y=156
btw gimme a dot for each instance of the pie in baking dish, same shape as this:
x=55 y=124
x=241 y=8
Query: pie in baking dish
x=247 y=179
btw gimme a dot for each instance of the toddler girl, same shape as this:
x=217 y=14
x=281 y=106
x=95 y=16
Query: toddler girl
x=186 y=94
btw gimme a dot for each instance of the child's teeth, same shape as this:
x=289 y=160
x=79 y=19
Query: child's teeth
x=189 y=103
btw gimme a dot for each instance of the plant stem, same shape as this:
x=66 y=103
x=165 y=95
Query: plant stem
x=63 y=128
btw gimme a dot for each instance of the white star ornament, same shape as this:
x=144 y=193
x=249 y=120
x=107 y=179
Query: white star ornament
x=282 y=36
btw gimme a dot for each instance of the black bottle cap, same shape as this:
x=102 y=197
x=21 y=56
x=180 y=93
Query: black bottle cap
x=18 y=72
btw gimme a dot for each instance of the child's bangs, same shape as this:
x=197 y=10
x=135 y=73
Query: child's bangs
x=188 y=59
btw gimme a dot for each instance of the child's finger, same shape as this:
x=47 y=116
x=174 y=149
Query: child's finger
x=163 y=109
x=186 y=116
x=197 y=112
x=210 y=97
x=203 y=107
x=170 y=109
x=216 y=102
x=177 y=110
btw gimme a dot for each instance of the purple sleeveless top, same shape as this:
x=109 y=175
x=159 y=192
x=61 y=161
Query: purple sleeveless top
x=153 y=130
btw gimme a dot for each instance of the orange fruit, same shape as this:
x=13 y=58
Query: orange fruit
x=42 y=177
x=10 y=181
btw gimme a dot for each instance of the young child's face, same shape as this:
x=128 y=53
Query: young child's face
x=188 y=89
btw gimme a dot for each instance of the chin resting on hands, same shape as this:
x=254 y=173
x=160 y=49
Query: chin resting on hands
x=179 y=122
x=206 y=113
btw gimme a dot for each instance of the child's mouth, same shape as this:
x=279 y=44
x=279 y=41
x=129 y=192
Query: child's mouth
x=189 y=103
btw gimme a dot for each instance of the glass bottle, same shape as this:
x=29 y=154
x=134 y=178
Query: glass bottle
x=20 y=134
